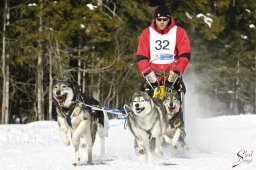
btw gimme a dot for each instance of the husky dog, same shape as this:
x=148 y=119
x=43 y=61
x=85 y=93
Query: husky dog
x=76 y=118
x=175 y=131
x=146 y=121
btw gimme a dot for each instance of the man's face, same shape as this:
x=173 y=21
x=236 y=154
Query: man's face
x=162 y=22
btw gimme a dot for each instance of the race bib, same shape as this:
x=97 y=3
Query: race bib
x=162 y=46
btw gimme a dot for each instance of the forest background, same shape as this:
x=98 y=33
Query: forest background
x=95 y=42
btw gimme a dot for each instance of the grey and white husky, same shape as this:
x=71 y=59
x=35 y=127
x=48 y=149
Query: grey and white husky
x=147 y=121
x=76 y=118
x=175 y=131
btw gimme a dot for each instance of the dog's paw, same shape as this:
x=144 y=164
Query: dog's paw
x=175 y=144
x=141 y=151
x=66 y=142
x=183 y=145
x=179 y=144
x=176 y=138
x=75 y=164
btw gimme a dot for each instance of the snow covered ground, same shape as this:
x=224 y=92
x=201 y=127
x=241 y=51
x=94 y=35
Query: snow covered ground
x=215 y=144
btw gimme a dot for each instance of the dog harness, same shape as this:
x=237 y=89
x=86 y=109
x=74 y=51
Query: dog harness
x=150 y=130
x=162 y=46
x=147 y=131
x=70 y=115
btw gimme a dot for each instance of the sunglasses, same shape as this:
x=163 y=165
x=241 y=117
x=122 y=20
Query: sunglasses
x=162 y=19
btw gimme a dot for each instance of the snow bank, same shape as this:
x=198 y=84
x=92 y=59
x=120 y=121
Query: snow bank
x=214 y=144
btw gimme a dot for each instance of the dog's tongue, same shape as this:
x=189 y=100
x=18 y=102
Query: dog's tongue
x=138 y=110
x=175 y=109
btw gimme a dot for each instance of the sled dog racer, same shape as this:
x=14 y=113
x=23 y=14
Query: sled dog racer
x=163 y=45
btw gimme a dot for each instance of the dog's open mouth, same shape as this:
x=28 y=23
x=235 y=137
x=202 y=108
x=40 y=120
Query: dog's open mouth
x=174 y=109
x=61 y=99
x=138 y=110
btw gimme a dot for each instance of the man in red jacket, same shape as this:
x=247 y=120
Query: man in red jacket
x=161 y=46
x=164 y=47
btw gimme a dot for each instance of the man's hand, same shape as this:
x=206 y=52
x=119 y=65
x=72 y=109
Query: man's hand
x=173 y=76
x=151 y=77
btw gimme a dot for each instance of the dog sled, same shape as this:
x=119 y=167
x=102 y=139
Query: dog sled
x=168 y=83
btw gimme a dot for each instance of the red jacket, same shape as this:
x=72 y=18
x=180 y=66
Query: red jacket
x=181 y=54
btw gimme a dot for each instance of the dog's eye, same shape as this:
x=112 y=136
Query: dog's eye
x=64 y=86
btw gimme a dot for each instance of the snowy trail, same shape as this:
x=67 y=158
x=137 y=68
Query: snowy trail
x=214 y=144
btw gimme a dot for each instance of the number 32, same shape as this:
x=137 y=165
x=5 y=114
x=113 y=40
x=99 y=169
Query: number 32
x=162 y=44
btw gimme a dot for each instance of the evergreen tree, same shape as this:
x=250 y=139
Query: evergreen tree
x=95 y=41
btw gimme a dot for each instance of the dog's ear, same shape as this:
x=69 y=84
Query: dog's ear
x=166 y=96
x=76 y=88
x=147 y=97
x=135 y=94
x=54 y=81
x=131 y=99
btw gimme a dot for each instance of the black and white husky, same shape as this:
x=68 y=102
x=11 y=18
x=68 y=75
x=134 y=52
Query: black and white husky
x=175 y=131
x=147 y=121
x=76 y=118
